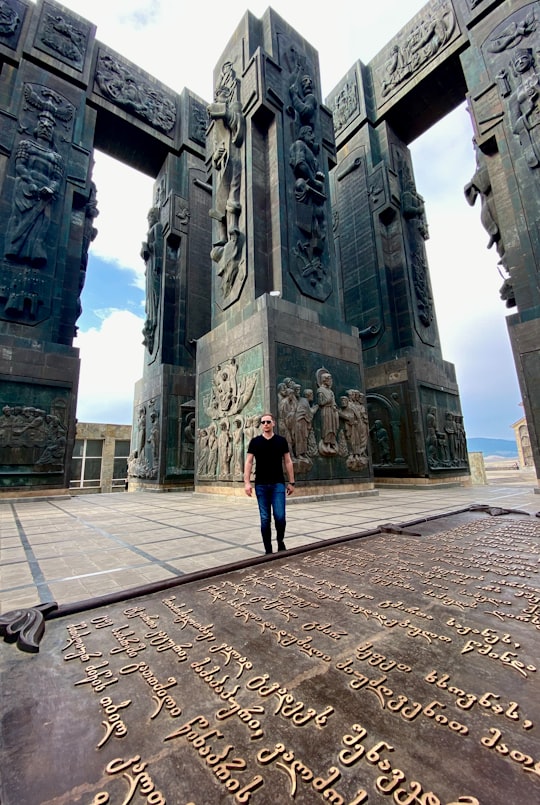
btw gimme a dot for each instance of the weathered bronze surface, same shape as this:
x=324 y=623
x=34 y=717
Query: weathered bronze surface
x=400 y=668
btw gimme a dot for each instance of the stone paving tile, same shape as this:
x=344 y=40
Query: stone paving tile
x=91 y=545
x=187 y=546
x=9 y=554
x=193 y=564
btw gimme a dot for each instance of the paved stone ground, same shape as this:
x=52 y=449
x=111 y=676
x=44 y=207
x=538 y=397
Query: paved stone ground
x=68 y=549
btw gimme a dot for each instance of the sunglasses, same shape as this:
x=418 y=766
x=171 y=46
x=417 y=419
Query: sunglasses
x=266 y=421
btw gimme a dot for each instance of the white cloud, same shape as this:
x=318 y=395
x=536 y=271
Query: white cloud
x=124 y=197
x=111 y=363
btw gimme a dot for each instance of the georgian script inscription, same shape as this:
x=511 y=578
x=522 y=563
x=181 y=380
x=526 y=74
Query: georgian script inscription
x=394 y=668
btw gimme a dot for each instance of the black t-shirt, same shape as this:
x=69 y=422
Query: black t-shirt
x=269 y=458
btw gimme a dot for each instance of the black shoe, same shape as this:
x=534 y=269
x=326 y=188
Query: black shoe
x=281 y=546
x=270 y=551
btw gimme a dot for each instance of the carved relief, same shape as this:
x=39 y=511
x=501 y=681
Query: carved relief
x=311 y=271
x=144 y=460
x=9 y=19
x=480 y=187
x=518 y=81
x=385 y=414
x=31 y=436
x=446 y=445
x=221 y=444
x=40 y=179
x=125 y=88
x=152 y=254
x=89 y=234
x=187 y=440
x=412 y=207
x=227 y=162
x=418 y=46
x=346 y=105
x=198 y=121
x=61 y=36
x=343 y=430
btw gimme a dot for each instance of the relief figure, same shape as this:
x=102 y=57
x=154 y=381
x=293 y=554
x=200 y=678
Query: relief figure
x=9 y=19
x=480 y=187
x=524 y=106
x=224 y=450
x=329 y=415
x=202 y=448
x=229 y=132
x=309 y=192
x=152 y=254
x=381 y=442
x=305 y=411
x=39 y=171
x=238 y=457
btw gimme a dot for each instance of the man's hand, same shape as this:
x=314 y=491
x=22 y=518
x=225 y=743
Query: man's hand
x=248 y=489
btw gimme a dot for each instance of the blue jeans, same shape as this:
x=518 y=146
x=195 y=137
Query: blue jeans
x=271 y=497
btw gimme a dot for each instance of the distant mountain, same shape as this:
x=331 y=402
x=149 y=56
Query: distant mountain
x=505 y=448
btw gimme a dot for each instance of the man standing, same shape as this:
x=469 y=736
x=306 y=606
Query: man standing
x=270 y=452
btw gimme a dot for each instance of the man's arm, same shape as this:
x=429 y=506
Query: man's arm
x=289 y=468
x=248 y=466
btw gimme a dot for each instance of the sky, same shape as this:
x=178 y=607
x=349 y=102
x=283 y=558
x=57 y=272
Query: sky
x=180 y=45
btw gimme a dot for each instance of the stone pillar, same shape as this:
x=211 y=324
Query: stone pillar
x=502 y=69
x=415 y=419
x=177 y=312
x=279 y=341
x=47 y=209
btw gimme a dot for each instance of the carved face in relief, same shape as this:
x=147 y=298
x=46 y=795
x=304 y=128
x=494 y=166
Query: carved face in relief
x=306 y=84
x=522 y=60
x=45 y=128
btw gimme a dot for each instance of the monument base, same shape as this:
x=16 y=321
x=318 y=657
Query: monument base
x=38 y=401
x=416 y=403
x=309 y=376
x=163 y=441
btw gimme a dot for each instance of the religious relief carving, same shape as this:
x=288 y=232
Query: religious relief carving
x=188 y=443
x=31 y=436
x=227 y=161
x=343 y=430
x=420 y=44
x=412 y=207
x=446 y=445
x=63 y=38
x=346 y=105
x=311 y=272
x=221 y=444
x=328 y=412
x=9 y=19
x=238 y=443
x=126 y=88
x=152 y=254
x=40 y=179
x=353 y=414
x=144 y=460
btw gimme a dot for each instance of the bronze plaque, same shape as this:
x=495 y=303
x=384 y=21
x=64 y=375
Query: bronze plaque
x=400 y=667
